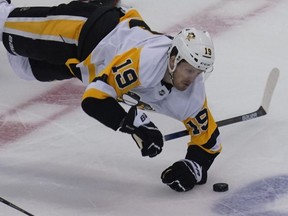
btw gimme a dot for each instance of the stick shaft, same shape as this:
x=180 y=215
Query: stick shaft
x=6 y=202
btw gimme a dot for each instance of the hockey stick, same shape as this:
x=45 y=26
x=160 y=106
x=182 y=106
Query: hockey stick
x=14 y=206
x=261 y=111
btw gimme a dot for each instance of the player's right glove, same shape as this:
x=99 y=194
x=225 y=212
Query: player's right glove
x=182 y=175
x=146 y=135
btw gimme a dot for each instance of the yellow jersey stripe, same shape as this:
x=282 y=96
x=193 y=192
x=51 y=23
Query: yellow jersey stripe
x=95 y=93
x=51 y=28
x=131 y=13
x=91 y=68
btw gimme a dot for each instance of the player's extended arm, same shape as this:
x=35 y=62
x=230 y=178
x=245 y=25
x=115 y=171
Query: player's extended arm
x=109 y=112
x=203 y=148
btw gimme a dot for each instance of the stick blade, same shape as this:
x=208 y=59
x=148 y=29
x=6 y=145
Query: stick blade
x=269 y=88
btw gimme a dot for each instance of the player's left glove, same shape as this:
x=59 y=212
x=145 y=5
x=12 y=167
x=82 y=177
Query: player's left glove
x=182 y=175
x=146 y=135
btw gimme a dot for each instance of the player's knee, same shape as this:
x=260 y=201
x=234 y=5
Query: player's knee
x=21 y=67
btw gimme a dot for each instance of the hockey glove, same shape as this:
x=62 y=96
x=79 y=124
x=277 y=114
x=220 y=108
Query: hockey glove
x=182 y=175
x=146 y=135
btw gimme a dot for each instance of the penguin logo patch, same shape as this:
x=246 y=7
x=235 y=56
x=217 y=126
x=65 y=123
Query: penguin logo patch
x=190 y=36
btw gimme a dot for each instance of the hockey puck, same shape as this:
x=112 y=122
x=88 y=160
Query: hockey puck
x=220 y=187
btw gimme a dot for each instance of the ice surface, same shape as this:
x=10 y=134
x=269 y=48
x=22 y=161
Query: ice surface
x=57 y=161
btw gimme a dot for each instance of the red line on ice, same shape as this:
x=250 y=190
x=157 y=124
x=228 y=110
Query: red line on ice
x=67 y=95
x=216 y=23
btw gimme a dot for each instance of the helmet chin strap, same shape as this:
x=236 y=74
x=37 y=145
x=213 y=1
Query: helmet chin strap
x=171 y=73
x=172 y=70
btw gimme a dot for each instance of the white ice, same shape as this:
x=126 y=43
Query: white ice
x=73 y=166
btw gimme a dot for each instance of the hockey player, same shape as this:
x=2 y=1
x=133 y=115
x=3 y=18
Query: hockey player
x=113 y=52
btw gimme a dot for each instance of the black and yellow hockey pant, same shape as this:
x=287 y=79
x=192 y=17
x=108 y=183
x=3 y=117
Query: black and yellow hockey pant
x=49 y=36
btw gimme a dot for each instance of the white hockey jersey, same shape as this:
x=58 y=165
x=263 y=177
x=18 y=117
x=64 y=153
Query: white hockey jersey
x=134 y=59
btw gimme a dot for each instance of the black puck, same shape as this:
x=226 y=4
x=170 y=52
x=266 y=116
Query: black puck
x=220 y=187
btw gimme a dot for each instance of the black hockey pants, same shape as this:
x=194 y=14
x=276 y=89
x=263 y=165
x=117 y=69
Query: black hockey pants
x=49 y=36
